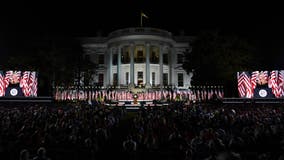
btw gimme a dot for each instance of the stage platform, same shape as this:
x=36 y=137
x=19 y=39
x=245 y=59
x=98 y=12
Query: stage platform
x=253 y=100
x=130 y=105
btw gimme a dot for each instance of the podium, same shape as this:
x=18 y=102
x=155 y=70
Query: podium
x=14 y=91
x=263 y=91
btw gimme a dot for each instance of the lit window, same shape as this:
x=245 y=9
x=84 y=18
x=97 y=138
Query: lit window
x=140 y=78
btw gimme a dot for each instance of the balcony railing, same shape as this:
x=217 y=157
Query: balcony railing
x=140 y=31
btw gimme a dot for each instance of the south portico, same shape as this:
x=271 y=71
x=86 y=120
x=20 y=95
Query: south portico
x=139 y=57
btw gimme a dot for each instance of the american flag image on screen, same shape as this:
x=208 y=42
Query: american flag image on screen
x=18 y=83
x=261 y=84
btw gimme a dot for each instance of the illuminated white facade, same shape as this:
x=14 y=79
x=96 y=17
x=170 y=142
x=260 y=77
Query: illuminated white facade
x=131 y=57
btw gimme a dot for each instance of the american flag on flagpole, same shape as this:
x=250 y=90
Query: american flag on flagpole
x=241 y=87
x=32 y=84
x=24 y=83
x=254 y=78
x=35 y=87
x=2 y=84
x=281 y=83
x=7 y=78
x=245 y=85
x=273 y=83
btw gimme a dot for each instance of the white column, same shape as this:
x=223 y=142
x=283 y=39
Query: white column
x=170 y=61
x=106 y=65
x=118 y=66
x=161 y=65
x=110 y=67
x=131 y=65
x=172 y=66
x=148 y=85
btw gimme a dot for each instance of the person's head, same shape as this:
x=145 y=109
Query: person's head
x=14 y=78
x=262 y=78
x=24 y=154
x=41 y=152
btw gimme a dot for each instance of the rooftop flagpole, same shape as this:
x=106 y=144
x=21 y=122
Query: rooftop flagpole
x=141 y=21
x=141 y=18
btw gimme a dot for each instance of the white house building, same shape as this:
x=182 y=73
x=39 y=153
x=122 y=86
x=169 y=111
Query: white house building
x=147 y=57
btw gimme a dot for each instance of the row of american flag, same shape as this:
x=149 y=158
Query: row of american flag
x=27 y=81
x=197 y=94
x=247 y=82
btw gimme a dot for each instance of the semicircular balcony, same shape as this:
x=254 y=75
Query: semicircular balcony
x=140 y=31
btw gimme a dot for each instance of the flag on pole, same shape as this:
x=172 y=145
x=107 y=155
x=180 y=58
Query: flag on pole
x=141 y=18
x=144 y=15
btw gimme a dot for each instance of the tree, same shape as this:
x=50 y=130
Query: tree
x=216 y=58
x=56 y=59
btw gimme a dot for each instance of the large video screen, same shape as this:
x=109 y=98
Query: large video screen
x=18 y=83
x=261 y=84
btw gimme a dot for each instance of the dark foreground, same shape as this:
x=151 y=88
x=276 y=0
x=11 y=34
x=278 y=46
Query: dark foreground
x=199 y=131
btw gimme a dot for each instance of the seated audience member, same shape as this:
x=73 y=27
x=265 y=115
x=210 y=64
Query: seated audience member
x=24 y=154
x=41 y=154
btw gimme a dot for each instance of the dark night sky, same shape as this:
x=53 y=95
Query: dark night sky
x=22 y=23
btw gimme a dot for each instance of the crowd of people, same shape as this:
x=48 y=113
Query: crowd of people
x=74 y=131
x=210 y=132
x=194 y=132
